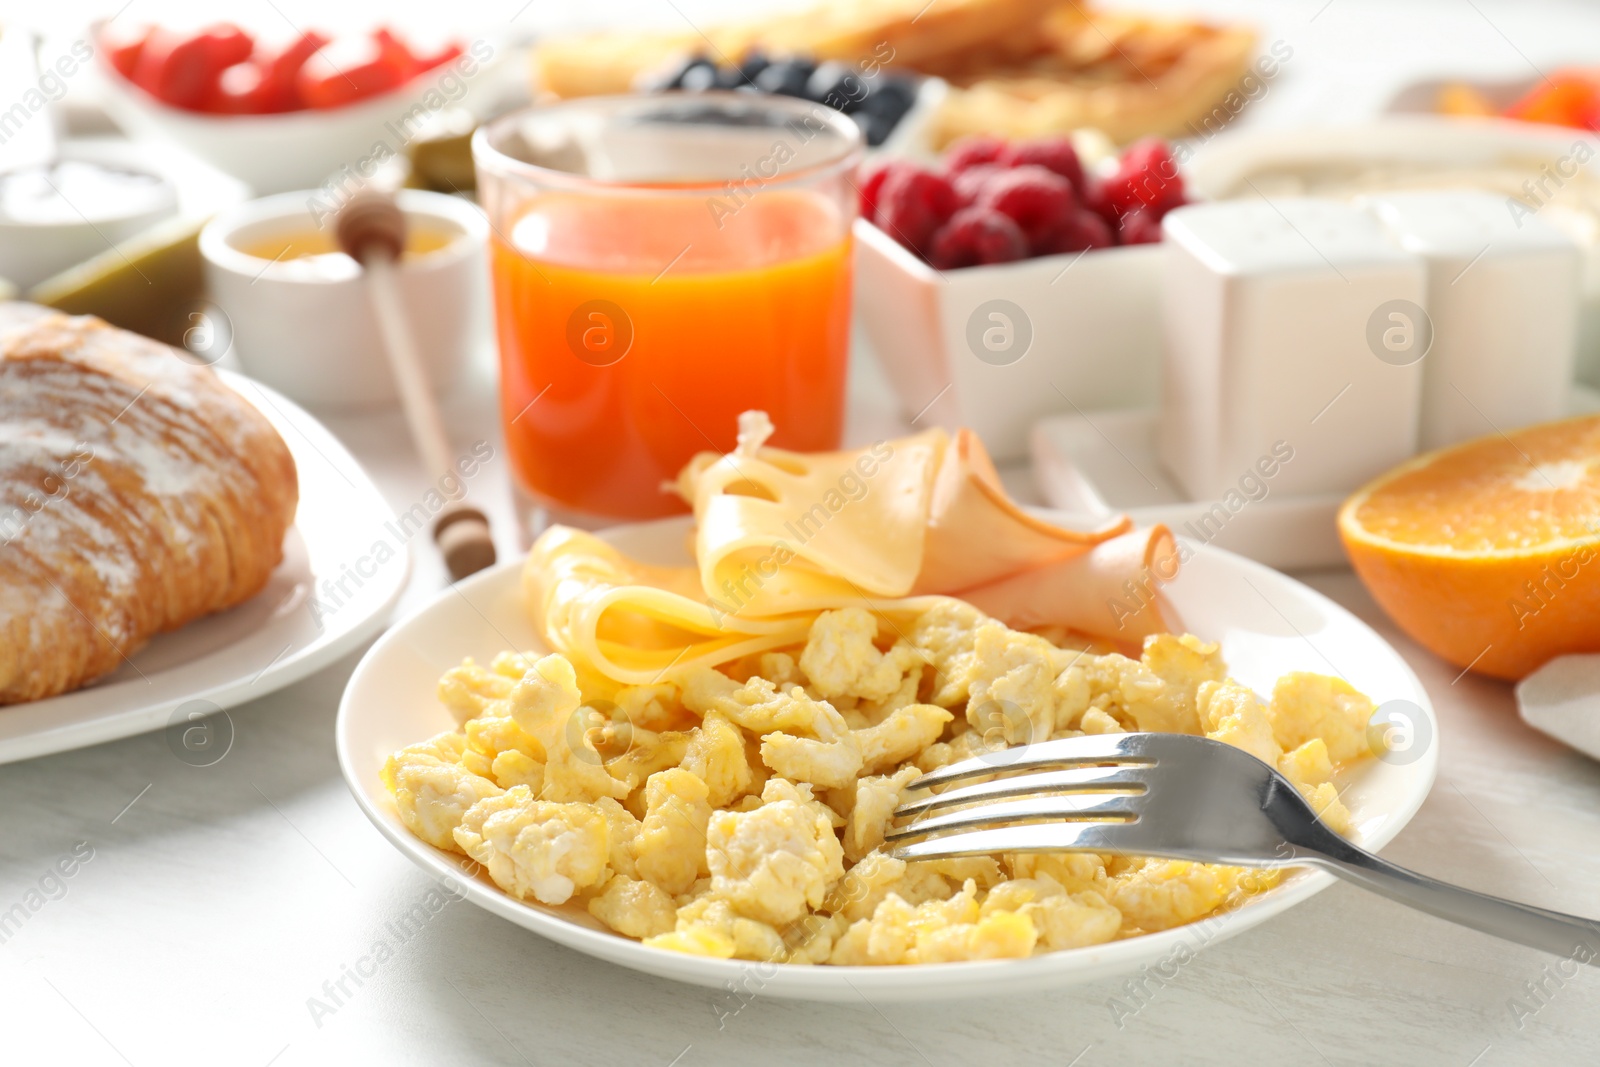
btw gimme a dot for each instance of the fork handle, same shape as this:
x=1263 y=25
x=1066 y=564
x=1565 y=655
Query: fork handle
x=1569 y=936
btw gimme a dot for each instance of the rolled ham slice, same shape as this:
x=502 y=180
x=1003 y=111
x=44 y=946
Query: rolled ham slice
x=1111 y=591
x=976 y=534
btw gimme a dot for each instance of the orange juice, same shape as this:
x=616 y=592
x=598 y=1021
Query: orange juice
x=633 y=330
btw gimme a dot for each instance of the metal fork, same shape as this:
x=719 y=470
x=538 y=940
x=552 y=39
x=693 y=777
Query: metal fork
x=1180 y=797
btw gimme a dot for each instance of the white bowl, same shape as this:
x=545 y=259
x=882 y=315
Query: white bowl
x=30 y=252
x=316 y=339
x=1268 y=624
x=1076 y=332
x=276 y=153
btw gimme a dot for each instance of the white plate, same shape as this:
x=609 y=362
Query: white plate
x=1268 y=624
x=1095 y=465
x=264 y=644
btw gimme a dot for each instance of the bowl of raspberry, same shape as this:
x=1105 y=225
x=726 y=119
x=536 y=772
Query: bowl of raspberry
x=1008 y=281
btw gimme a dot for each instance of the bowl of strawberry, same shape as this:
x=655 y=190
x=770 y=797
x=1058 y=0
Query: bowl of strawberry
x=279 y=114
x=1009 y=281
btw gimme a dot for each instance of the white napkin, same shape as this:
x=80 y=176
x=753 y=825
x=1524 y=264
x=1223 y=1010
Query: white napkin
x=1562 y=699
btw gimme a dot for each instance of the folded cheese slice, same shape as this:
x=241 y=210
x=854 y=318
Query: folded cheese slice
x=779 y=532
x=632 y=623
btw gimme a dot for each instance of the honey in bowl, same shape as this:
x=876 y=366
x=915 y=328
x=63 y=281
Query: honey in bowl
x=315 y=254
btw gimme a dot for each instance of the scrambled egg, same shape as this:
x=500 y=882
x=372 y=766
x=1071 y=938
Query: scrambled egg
x=741 y=813
x=535 y=849
x=776 y=862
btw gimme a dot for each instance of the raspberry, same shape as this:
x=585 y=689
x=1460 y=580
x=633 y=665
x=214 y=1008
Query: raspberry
x=1036 y=199
x=1172 y=205
x=973 y=150
x=1084 y=230
x=1147 y=176
x=1141 y=226
x=1096 y=199
x=1052 y=153
x=976 y=235
x=912 y=203
x=969 y=183
x=870 y=182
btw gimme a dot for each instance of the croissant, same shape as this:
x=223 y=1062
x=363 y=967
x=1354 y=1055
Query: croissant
x=137 y=493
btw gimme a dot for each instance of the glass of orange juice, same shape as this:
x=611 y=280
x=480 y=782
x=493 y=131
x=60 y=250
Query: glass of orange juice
x=660 y=264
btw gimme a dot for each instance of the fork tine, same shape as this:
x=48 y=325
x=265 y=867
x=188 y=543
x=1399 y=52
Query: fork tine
x=1040 y=837
x=1084 y=779
x=1092 y=806
x=1101 y=748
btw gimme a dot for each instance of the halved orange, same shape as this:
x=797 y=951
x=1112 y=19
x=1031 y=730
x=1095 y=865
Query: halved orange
x=1488 y=552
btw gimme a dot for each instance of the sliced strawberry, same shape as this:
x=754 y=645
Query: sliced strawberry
x=280 y=86
x=182 y=70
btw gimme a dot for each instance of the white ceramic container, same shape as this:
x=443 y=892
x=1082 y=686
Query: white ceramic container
x=301 y=149
x=1502 y=305
x=1551 y=171
x=1268 y=307
x=312 y=335
x=998 y=347
x=35 y=248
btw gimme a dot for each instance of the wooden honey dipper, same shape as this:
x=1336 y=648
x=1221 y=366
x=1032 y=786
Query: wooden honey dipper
x=371 y=229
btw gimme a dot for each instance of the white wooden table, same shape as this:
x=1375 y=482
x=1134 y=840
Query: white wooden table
x=218 y=902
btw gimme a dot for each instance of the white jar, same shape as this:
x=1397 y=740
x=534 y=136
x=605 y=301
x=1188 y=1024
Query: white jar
x=1267 y=307
x=310 y=333
x=1503 y=294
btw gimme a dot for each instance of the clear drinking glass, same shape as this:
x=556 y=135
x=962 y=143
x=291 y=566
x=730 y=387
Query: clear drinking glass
x=660 y=264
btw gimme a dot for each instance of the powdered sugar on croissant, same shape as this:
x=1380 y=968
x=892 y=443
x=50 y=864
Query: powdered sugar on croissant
x=137 y=493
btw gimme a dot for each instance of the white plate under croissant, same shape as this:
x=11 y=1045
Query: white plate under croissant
x=264 y=644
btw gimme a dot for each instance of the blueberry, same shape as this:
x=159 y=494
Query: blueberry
x=754 y=64
x=698 y=79
x=874 y=128
x=837 y=85
x=876 y=103
x=673 y=79
x=887 y=90
x=787 y=77
x=728 y=78
x=887 y=108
